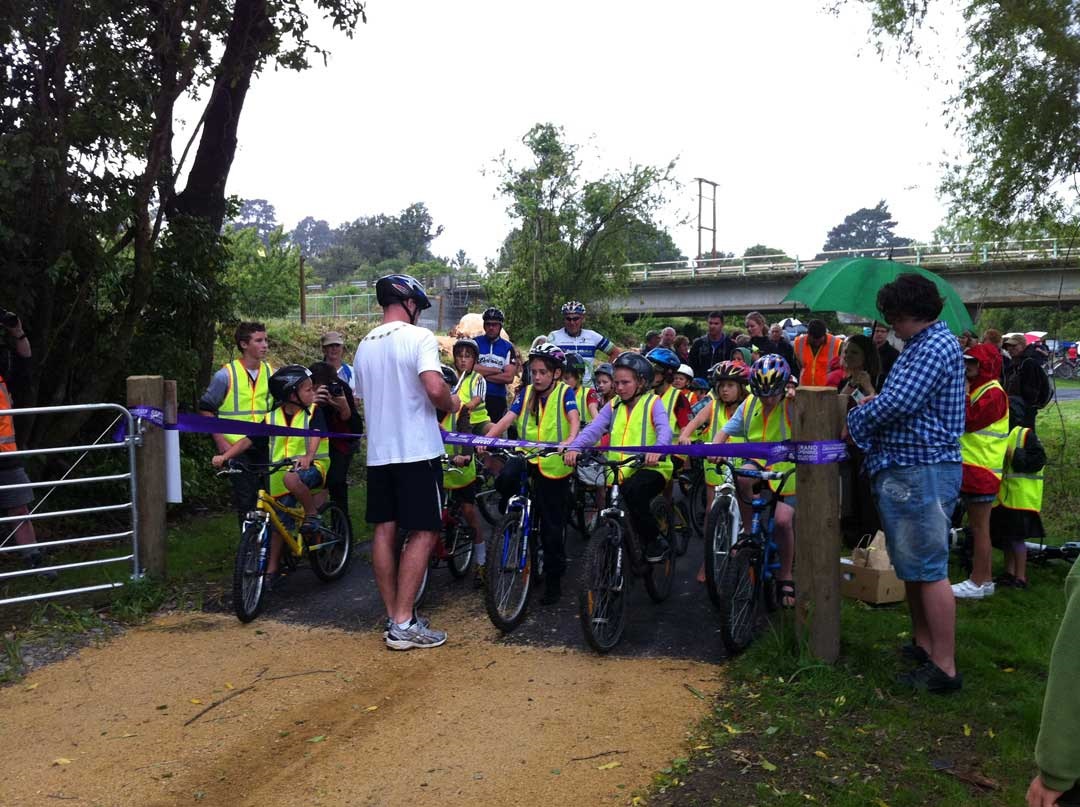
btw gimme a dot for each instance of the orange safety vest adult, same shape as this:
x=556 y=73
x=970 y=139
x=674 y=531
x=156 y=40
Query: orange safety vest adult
x=7 y=422
x=815 y=366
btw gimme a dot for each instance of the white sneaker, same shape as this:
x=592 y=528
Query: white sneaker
x=970 y=590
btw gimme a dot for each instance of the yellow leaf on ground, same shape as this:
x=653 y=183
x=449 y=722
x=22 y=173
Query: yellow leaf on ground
x=990 y=733
x=1009 y=669
x=967 y=730
x=702 y=747
x=821 y=754
x=196 y=701
x=766 y=765
x=372 y=708
x=31 y=687
x=880 y=803
x=229 y=686
x=61 y=761
x=731 y=729
x=607 y=766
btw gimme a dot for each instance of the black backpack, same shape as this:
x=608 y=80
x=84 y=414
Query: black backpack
x=1045 y=384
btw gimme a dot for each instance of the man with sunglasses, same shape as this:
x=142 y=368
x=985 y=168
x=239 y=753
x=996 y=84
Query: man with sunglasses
x=574 y=337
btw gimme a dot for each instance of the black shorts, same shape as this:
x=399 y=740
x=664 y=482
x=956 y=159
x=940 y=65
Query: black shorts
x=409 y=493
x=465 y=495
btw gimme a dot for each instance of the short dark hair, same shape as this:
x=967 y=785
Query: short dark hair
x=244 y=331
x=816 y=328
x=910 y=295
x=323 y=373
x=716 y=315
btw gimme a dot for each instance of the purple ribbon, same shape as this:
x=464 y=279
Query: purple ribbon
x=820 y=452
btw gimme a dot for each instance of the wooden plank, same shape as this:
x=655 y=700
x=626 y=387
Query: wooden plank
x=149 y=390
x=818 y=414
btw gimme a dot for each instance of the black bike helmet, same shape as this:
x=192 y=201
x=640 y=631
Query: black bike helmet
x=575 y=364
x=399 y=288
x=638 y=364
x=467 y=344
x=283 y=382
x=493 y=315
x=605 y=368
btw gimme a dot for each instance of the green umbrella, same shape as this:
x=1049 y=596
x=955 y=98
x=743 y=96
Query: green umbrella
x=851 y=285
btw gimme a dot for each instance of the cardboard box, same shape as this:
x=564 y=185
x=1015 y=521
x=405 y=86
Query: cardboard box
x=874 y=586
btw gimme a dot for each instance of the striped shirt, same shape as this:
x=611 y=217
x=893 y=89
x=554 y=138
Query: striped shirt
x=586 y=344
x=918 y=416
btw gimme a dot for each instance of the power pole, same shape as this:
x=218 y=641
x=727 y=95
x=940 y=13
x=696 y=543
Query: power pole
x=303 y=294
x=701 y=199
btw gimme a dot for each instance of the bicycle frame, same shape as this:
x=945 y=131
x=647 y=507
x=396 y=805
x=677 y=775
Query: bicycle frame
x=521 y=502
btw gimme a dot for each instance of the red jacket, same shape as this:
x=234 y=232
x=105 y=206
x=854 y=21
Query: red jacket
x=991 y=407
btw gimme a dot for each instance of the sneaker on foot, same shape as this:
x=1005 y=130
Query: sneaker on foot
x=423 y=620
x=1005 y=580
x=415 y=636
x=912 y=652
x=310 y=525
x=656 y=550
x=970 y=590
x=931 y=678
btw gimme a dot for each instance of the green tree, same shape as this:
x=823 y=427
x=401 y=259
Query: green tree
x=869 y=231
x=1015 y=108
x=759 y=253
x=257 y=214
x=570 y=239
x=313 y=237
x=264 y=278
x=93 y=228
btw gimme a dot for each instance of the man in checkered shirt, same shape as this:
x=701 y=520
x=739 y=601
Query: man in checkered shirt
x=910 y=433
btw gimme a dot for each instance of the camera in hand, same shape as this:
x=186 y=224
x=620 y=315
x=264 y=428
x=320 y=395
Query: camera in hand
x=9 y=319
x=336 y=389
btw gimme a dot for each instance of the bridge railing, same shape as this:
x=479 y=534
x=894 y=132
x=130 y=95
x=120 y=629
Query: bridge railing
x=950 y=254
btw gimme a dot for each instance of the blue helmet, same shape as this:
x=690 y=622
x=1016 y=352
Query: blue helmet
x=664 y=358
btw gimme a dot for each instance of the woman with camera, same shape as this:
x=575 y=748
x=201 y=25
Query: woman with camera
x=335 y=400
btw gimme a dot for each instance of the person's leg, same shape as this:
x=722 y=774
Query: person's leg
x=384 y=559
x=336 y=483
x=24 y=532
x=550 y=499
x=637 y=495
x=784 y=537
x=979 y=521
x=939 y=623
x=1019 y=558
x=295 y=485
x=410 y=573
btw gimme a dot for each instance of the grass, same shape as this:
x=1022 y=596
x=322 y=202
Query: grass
x=790 y=730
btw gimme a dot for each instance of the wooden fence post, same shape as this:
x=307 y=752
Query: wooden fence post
x=818 y=415
x=149 y=390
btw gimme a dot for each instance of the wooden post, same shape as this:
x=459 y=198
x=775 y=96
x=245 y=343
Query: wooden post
x=818 y=415
x=149 y=390
x=303 y=294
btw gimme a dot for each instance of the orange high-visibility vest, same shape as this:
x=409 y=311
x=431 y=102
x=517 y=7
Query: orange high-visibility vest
x=815 y=366
x=7 y=422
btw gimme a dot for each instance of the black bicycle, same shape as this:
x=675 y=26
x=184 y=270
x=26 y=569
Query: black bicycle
x=749 y=575
x=615 y=557
x=515 y=555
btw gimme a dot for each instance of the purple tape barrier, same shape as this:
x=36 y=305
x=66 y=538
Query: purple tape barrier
x=807 y=453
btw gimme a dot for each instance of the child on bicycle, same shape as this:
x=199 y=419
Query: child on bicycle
x=603 y=380
x=460 y=480
x=294 y=407
x=588 y=402
x=545 y=411
x=765 y=417
x=471 y=389
x=636 y=417
x=729 y=391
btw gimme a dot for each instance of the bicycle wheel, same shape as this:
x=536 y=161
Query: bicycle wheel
x=740 y=597
x=680 y=528
x=332 y=552
x=248 y=569
x=487 y=502
x=719 y=536
x=602 y=601
x=459 y=547
x=699 y=506
x=658 y=576
x=577 y=516
x=509 y=574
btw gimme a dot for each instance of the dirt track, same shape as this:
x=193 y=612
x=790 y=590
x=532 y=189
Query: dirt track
x=476 y=722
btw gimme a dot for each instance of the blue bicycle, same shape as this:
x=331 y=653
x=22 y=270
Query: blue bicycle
x=748 y=578
x=515 y=555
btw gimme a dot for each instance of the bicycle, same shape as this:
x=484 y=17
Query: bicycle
x=329 y=548
x=615 y=557
x=454 y=546
x=515 y=556
x=584 y=483
x=692 y=486
x=722 y=524
x=749 y=576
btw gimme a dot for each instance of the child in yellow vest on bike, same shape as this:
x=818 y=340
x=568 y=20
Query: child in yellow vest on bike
x=294 y=407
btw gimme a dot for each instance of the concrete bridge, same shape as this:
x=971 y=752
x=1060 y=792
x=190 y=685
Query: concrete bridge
x=998 y=284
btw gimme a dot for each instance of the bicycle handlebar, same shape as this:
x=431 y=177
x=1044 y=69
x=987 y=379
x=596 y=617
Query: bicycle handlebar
x=235 y=466
x=593 y=456
x=758 y=472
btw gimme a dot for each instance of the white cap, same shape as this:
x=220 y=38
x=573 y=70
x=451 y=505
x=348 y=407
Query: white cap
x=685 y=370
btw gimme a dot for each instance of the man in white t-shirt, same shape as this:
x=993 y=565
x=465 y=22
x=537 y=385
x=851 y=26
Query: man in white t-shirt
x=573 y=337
x=397 y=373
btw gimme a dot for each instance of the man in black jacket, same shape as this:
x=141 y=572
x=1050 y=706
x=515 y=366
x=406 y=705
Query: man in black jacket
x=1025 y=380
x=714 y=346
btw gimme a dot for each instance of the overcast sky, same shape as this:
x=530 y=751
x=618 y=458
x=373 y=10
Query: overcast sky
x=786 y=106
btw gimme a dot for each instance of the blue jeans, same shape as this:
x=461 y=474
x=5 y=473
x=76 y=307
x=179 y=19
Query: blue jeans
x=916 y=504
